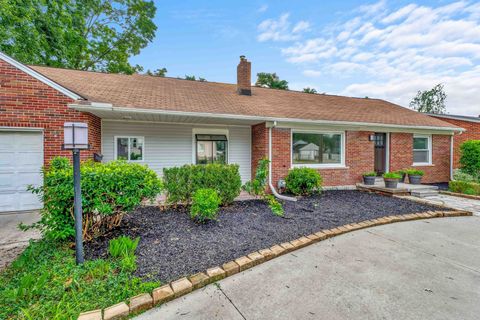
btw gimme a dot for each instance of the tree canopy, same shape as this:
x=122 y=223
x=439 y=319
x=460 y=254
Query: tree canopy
x=271 y=80
x=96 y=35
x=158 y=72
x=430 y=101
x=309 y=90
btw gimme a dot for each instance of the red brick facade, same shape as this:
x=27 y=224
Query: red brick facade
x=28 y=102
x=472 y=133
x=359 y=155
x=401 y=156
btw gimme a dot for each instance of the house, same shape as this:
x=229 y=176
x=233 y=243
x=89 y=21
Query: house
x=164 y=122
x=472 y=132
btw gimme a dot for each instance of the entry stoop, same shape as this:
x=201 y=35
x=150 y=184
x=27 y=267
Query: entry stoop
x=423 y=193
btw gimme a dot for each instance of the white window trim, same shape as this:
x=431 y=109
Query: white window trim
x=429 y=141
x=340 y=165
x=115 y=141
x=215 y=131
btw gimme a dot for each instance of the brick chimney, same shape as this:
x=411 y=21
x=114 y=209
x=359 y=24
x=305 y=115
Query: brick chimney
x=244 y=77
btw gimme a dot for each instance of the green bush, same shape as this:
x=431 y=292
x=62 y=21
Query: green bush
x=182 y=182
x=303 y=181
x=470 y=157
x=205 y=204
x=391 y=175
x=370 y=174
x=414 y=172
x=108 y=191
x=459 y=175
x=471 y=188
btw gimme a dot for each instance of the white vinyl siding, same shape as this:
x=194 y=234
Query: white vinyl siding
x=170 y=145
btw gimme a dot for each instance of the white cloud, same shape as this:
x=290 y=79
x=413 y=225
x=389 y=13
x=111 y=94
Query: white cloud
x=393 y=53
x=280 y=29
x=262 y=8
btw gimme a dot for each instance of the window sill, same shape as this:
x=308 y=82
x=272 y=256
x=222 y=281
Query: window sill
x=423 y=165
x=316 y=166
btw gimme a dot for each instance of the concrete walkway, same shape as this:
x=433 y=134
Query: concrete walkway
x=424 y=269
x=13 y=240
x=455 y=202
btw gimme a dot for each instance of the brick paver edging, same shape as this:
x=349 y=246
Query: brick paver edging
x=462 y=195
x=186 y=285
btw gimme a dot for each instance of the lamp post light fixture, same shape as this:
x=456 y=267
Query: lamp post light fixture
x=76 y=138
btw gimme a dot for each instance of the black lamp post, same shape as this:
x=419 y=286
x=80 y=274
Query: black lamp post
x=76 y=139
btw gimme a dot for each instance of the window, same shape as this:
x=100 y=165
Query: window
x=422 y=149
x=317 y=149
x=211 y=148
x=129 y=148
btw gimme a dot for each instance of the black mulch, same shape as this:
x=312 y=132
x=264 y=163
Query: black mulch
x=173 y=246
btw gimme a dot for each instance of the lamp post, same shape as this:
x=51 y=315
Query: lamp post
x=76 y=139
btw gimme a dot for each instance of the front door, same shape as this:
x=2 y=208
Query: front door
x=380 y=153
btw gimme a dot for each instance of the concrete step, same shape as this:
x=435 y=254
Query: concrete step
x=422 y=193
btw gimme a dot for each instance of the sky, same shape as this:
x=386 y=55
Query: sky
x=387 y=49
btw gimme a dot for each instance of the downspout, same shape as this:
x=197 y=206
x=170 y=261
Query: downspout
x=274 y=191
x=451 y=154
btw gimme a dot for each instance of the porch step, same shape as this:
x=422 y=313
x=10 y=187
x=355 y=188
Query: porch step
x=422 y=193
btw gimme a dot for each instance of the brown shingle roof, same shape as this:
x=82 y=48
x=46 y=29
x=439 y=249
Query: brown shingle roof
x=147 y=92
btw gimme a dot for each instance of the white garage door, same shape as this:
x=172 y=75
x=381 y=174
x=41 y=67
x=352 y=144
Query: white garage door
x=21 y=159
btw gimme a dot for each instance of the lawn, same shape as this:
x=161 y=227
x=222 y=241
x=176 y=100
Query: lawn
x=45 y=283
x=172 y=245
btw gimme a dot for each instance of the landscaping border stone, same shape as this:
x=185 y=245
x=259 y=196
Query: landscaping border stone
x=185 y=285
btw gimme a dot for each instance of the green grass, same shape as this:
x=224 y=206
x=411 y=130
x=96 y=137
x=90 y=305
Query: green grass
x=45 y=283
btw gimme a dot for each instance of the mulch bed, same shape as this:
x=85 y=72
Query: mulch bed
x=173 y=246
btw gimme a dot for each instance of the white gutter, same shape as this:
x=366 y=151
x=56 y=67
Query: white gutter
x=109 y=107
x=275 y=193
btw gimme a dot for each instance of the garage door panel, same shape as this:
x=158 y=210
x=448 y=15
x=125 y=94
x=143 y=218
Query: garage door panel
x=21 y=160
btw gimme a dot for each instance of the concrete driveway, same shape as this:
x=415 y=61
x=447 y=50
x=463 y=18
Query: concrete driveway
x=424 y=269
x=13 y=240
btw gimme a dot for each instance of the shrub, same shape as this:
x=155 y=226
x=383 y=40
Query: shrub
x=205 y=205
x=182 y=182
x=459 y=175
x=370 y=174
x=303 y=181
x=391 y=175
x=470 y=157
x=466 y=187
x=414 y=172
x=108 y=191
x=258 y=185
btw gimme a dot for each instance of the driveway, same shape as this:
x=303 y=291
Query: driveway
x=13 y=240
x=424 y=269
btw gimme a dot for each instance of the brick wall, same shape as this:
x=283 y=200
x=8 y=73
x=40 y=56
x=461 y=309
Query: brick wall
x=472 y=133
x=359 y=155
x=401 y=156
x=27 y=102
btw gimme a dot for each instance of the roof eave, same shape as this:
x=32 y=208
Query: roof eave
x=93 y=107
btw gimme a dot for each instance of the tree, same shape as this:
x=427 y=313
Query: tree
x=309 y=90
x=157 y=73
x=431 y=101
x=96 y=35
x=193 y=78
x=271 y=80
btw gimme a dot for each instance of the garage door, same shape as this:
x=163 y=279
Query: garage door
x=21 y=159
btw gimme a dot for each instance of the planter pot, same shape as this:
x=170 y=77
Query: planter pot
x=369 y=180
x=402 y=179
x=391 y=183
x=415 y=179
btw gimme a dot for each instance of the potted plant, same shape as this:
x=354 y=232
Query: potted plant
x=403 y=174
x=415 y=176
x=369 y=178
x=391 y=179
